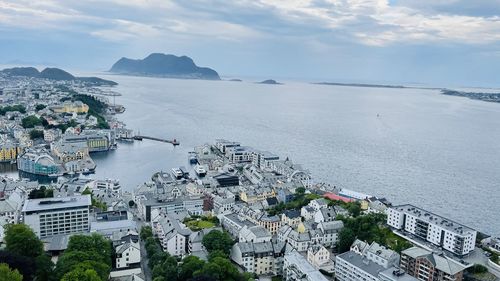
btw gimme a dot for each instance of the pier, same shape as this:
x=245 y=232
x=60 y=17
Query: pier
x=174 y=142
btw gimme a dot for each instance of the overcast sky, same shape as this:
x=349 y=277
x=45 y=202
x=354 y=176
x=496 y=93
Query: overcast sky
x=438 y=42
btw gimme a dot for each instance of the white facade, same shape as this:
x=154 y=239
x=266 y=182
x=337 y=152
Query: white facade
x=297 y=268
x=127 y=254
x=53 y=216
x=440 y=231
x=318 y=256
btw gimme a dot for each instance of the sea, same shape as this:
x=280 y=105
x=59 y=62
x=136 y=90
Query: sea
x=417 y=146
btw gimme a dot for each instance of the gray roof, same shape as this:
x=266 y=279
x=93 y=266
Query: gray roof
x=434 y=219
x=292 y=214
x=121 y=248
x=361 y=263
x=332 y=225
x=441 y=262
x=390 y=274
x=48 y=204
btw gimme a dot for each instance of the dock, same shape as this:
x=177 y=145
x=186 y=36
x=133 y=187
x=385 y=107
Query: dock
x=174 y=142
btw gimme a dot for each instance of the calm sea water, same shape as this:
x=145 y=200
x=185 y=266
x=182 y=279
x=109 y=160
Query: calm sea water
x=439 y=152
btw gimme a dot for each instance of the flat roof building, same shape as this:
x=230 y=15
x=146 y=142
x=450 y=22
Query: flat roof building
x=54 y=216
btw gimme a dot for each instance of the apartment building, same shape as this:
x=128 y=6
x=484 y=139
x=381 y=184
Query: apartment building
x=454 y=237
x=427 y=266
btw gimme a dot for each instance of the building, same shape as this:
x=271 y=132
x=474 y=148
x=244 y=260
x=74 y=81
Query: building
x=9 y=151
x=394 y=274
x=128 y=254
x=38 y=162
x=96 y=141
x=291 y=218
x=254 y=234
x=330 y=232
x=297 y=268
x=53 y=216
x=454 y=237
x=174 y=237
x=319 y=257
x=71 y=107
x=427 y=266
x=364 y=262
x=256 y=257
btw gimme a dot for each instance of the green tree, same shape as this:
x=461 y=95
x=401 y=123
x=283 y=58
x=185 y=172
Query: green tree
x=300 y=190
x=79 y=274
x=94 y=243
x=36 y=134
x=217 y=240
x=146 y=232
x=346 y=238
x=40 y=107
x=7 y=274
x=477 y=269
x=44 y=268
x=31 y=121
x=131 y=203
x=190 y=265
x=20 y=239
x=216 y=254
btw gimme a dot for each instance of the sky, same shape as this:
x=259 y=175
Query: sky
x=432 y=42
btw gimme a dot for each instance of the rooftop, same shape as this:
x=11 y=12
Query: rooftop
x=434 y=219
x=47 y=204
x=361 y=263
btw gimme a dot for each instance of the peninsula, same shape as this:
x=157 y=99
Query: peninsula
x=55 y=74
x=162 y=65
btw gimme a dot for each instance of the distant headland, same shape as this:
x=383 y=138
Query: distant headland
x=270 y=82
x=56 y=74
x=162 y=65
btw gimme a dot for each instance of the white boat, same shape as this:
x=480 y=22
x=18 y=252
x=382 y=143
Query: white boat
x=178 y=174
x=200 y=170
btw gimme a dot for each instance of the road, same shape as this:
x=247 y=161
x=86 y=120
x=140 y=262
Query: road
x=144 y=256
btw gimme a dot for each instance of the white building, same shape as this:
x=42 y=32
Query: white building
x=254 y=257
x=53 y=216
x=127 y=254
x=319 y=256
x=454 y=237
x=364 y=262
x=173 y=236
x=297 y=268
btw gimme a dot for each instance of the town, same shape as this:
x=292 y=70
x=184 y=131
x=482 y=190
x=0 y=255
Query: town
x=235 y=213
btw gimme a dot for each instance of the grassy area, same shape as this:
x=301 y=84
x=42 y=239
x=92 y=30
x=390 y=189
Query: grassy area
x=300 y=200
x=197 y=223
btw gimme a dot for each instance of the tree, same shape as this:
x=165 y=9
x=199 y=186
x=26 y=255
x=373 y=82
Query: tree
x=300 y=190
x=146 y=232
x=31 y=121
x=80 y=274
x=40 y=107
x=20 y=239
x=190 y=265
x=44 y=268
x=7 y=274
x=94 y=243
x=131 y=203
x=346 y=238
x=25 y=265
x=217 y=240
x=42 y=192
x=36 y=134
x=217 y=253
x=477 y=268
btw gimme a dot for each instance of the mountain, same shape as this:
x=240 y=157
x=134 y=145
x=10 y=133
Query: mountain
x=163 y=65
x=56 y=74
x=270 y=82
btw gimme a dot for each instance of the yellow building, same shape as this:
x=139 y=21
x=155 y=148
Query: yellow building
x=71 y=107
x=9 y=152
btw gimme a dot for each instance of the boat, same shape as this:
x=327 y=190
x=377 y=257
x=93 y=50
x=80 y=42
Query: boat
x=177 y=173
x=200 y=170
x=185 y=172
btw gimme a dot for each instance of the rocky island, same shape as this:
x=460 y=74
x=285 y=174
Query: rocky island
x=270 y=82
x=162 y=65
x=55 y=74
